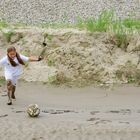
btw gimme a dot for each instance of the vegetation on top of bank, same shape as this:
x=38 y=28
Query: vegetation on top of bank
x=105 y=22
x=120 y=30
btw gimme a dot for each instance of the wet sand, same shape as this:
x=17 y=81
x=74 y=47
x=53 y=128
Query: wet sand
x=71 y=113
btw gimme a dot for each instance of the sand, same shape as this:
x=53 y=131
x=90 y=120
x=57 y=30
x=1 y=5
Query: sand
x=71 y=113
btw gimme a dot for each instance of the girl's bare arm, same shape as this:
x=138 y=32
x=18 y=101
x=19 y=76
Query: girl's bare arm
x=33 y=58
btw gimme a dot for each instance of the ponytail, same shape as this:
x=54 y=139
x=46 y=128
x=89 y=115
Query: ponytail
x=19 y=59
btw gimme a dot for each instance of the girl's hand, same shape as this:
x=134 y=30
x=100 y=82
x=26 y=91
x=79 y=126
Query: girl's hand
x=33 y=59
x=40 y=58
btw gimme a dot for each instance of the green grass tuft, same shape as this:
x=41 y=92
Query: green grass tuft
x=8 y=35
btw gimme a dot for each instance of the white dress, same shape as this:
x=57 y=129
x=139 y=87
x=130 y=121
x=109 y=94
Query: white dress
x=12 y=73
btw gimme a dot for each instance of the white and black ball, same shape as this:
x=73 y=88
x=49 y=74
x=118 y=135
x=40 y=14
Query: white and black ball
x=33 y=110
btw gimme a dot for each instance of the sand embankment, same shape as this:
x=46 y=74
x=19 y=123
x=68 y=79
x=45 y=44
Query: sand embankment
x=75 y=57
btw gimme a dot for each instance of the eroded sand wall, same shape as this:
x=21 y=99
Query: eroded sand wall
x=74 y=56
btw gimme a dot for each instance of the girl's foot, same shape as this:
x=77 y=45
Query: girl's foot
x=9 y=103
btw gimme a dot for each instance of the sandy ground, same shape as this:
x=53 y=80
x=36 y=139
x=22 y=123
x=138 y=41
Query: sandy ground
x=71 y=113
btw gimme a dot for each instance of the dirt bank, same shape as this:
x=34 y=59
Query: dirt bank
x=76 y=57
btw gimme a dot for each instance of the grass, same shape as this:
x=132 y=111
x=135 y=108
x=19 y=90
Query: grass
x=50 y=62
x=3 y=24
x=121 y=34
x=131 y=23
x=8 y=35
x=121 y=29
x=49 y=37
x=52 y=79
x=100 y=25
x=2 y=81
x=106 y=22
x=58 y=79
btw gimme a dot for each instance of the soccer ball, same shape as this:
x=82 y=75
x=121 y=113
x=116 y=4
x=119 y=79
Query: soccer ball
x=33 y=110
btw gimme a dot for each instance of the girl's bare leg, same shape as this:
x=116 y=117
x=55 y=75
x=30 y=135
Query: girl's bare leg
x=13 y=92
x=9 y=88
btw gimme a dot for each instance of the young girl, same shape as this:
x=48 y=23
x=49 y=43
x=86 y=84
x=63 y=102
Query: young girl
x=13 y=69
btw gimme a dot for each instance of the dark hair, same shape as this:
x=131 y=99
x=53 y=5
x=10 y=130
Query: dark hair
x=13 y=63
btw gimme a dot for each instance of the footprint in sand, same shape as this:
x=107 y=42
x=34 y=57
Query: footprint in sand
x=98 y=121
x=125 y=122
x=114 y=111
x=93 y=119
x=58 y=111
x=18 y=111
x=3 y=95
x=94 y=112
x=5 y=115
x=122 y=111
x=52 y=111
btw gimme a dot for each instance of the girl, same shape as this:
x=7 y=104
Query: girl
x=13 y=69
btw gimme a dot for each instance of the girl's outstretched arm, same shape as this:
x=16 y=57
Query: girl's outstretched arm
x=33 y=58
